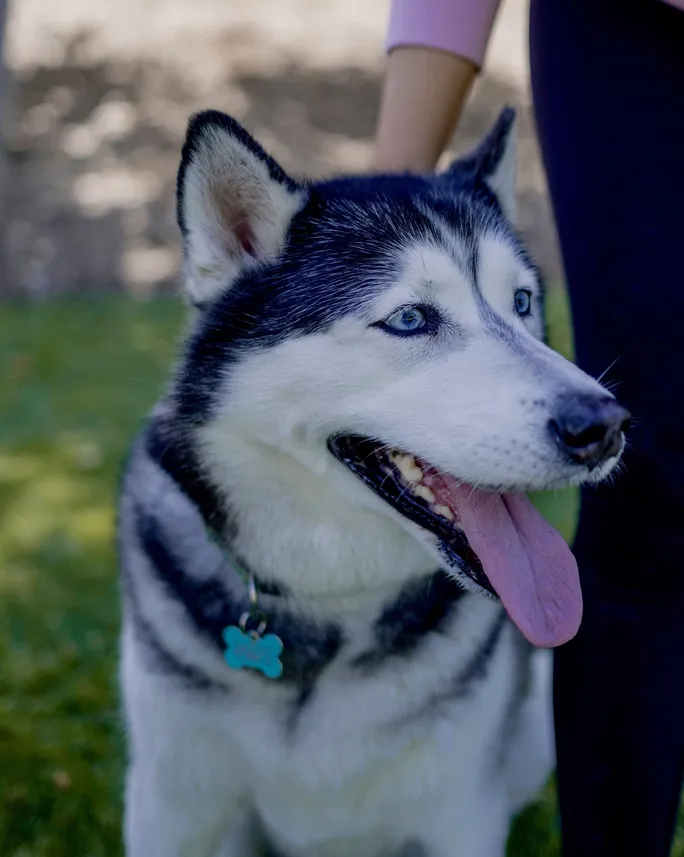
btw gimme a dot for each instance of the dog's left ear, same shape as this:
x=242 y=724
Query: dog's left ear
x=494 y=163
x=234 y=203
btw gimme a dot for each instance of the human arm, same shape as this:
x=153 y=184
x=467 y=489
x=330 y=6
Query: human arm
x=436 y=48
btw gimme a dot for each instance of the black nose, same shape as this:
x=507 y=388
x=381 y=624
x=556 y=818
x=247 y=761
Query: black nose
x=589 y=430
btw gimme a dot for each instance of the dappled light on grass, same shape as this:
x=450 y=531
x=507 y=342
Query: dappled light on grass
x=54 y=500
x=81 y=376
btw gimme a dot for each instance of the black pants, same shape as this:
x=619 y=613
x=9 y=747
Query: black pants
x=608 y=85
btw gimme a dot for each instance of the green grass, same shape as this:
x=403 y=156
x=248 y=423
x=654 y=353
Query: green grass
x=76 y=378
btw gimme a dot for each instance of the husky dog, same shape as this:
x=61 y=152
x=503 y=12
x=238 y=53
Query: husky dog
x=334 y=584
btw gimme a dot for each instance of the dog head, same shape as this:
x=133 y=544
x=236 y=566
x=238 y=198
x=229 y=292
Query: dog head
x=389 y=328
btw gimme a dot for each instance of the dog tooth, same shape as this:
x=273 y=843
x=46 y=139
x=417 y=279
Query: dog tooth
x=424 y=493
x=408 y=468
x=443 y=511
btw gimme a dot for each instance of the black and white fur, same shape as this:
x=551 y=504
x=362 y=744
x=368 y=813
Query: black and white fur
x=411 y=717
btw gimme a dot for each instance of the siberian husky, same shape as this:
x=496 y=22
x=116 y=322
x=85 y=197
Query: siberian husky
x=336 y=591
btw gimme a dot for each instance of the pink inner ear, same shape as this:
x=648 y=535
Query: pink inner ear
x=235 y=221
x=244 y=234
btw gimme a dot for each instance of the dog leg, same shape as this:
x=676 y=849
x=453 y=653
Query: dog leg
x=167 y=820
x=476 y=827
x=185 y=796
x=531 y=756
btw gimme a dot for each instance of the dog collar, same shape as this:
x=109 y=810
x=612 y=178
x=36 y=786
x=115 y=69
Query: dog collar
x=248 y=646
x=302 y=647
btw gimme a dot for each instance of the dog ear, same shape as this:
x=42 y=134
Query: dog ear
x=234 y=204
x=494 y=163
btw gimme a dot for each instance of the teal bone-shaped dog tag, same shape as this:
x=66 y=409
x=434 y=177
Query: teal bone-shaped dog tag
x=253 y=651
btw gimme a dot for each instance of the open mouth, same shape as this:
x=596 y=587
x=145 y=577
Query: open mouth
x=498 y=541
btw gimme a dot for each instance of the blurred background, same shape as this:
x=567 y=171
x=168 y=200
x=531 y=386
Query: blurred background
x=100 y=95
x=94 y=99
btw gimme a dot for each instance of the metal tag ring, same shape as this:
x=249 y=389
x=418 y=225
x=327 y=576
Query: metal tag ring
x=258 y=617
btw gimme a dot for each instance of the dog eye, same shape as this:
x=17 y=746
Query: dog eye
x=409 y=319
x=523 y=302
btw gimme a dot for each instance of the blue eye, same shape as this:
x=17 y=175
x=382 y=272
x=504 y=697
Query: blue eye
x=523 y=302
x=409 y=319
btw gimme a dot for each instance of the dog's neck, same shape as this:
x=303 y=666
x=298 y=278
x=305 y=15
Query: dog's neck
x=290 y=523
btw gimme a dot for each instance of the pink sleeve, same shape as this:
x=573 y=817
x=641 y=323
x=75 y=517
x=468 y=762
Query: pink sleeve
x=458 y=26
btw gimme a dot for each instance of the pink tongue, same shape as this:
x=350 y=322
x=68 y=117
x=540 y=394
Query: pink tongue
x=527 y=562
